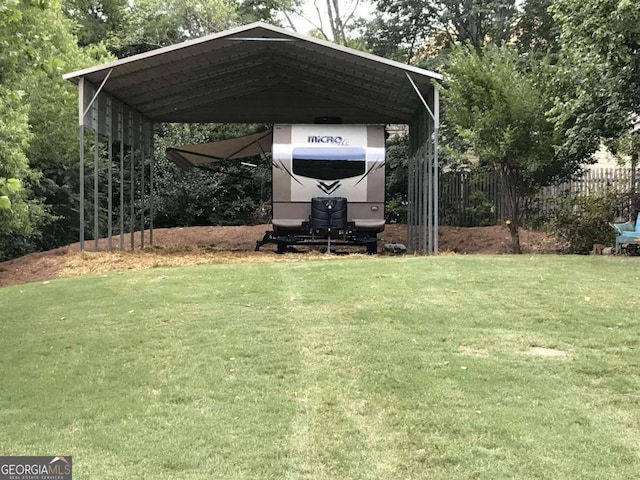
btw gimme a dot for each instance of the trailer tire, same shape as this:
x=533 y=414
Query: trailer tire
x=281 y=248
x=372 y=248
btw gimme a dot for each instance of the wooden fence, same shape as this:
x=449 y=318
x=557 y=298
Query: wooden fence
x=479 y=198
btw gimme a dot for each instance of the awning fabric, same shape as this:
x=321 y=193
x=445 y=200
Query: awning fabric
x=247 y=146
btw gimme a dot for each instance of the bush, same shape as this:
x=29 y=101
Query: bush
x=584 y=220
x=396 y=210
x=480 y=212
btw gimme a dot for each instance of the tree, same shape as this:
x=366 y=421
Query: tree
x=269 y=10
x=159 y=23
x=127 y=27
x=332 y=20
x=597 y=85
x=53 y=149
x=397 y=178
x=608 y=31
x=411 y=24
x=536 y=30
x=497 y=105
x=97 y=20
x=38 y=125
x=21 y=214
x=341 y=19
x=8 y=186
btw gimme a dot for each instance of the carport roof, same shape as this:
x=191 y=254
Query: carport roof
x=261 y=73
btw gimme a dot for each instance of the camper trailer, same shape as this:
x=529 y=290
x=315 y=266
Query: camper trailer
x=328 y=185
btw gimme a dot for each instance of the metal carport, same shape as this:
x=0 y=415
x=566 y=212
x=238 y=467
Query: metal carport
x=256 y=73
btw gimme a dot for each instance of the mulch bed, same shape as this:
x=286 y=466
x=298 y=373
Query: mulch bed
x=198 y=245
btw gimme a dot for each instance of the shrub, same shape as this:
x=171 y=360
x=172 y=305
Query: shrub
x=480 y=211
x=396 y=210
x=584 y=220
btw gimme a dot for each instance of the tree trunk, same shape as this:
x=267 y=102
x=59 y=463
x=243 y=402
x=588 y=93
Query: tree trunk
x=515 y=237
x=511 y=182
x=635 y=195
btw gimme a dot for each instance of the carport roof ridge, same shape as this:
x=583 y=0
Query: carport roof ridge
x=261 y=73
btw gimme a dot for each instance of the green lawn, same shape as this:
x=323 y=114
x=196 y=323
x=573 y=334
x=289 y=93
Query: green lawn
x=340 y=368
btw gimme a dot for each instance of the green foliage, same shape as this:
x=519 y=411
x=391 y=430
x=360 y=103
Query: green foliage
x=38 y=125
x=480 y=209
x=19 y=215
x=397 y=155
x=497 y=106
x=14 y=133
x=220 y=194
x=158 y=23
x=536 y=30
x=396 y=210
x=266 y=10
x=609 y=29
x=22 y=219
x=53 y=149
x=127 y=28
x=202 y=197
x=402 y=28
x=498 y=109
x=587 y=109
x=97 y=20
x=597 y=85
x=8 y=186
x=584 y=220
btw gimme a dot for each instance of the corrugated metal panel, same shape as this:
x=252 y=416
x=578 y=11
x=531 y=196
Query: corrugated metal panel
x=262 y=73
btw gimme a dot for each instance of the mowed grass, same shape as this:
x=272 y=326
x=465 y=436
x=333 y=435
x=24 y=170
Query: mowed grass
x=454 y=367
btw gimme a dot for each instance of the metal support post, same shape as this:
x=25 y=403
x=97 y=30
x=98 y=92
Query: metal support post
x=151 y=182
x=81 y=87
x=121 y=136
x=96 y=181
x=110 y=177
x=436 y=167
x=132 y=180
x=143 y=160
x=428 y=215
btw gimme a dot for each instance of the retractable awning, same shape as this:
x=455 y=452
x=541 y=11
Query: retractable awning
x=247 y=146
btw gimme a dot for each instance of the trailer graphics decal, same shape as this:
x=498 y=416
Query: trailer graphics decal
x=329 y=188
x=328 y=160
x=327 y=139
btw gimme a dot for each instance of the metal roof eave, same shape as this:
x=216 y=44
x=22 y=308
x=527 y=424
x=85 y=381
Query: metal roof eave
x=248 y=68
x=231 y=35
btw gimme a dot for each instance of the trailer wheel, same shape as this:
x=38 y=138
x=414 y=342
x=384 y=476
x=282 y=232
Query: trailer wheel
x=281 y=248
x=372 y=248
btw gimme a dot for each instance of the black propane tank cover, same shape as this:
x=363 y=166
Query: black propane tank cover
x=328 y=213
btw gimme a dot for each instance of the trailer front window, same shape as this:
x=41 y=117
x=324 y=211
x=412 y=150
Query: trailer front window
x=329 y=163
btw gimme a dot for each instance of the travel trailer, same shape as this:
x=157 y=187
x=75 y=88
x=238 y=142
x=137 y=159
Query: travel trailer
x=328 y=181
x=328 y=185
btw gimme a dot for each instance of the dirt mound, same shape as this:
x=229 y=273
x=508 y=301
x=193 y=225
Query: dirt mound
x=196 y=245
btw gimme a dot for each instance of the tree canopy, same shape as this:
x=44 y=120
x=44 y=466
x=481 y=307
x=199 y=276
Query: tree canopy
x=405 y=27
x=498 y=106
x=598 y=79
x=31 y=34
